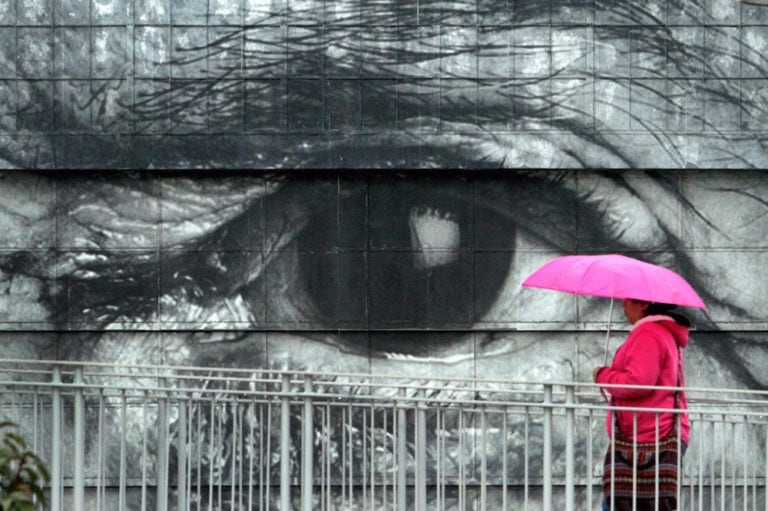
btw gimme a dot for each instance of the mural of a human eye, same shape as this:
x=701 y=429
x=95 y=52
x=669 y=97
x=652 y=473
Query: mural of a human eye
x=408 y=259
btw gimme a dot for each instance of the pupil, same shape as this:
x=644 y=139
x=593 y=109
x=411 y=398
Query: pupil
x=406 y=253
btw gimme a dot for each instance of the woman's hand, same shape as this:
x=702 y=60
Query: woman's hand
x=595 y=372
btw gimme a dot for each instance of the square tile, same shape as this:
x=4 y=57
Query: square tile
x=112 y=106
x=306 y=52
x=648 y=52
x=258 y=12
x=73 y=59
x=571 y=52
x=189 y=12
x=33 y=114
x=72 y=112
x=754 y=46
x=152 y=106
x=34 y=12
x=8 y=99
x=265 y=105
x=685 y=52
x=612 y=52
x=754 y=95
x=686 y=105
x=110 y=52
x=72 y=12
x=225 y=12
x=418 y=105
x=305 y=106
x=189 y=52
x=226 y=106
x=650 y=105
x=572 y=102
x=35 y=57
x=343 y=56
x=414 y=43
x=378 y=105
x=110 y=12
x=193 y=116
x=8 y=48
x=612 y=110
x=8 y=13
x=152 y=11
x=225 y=57
x=722 y=51
x=266 y=53
x=344 y=106
x=152 y=52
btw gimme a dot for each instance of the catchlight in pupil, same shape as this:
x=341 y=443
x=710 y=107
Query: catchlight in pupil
x=432 y=256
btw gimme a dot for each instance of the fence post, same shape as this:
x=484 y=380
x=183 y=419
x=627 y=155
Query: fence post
x=570 y=424
x=547 y=455
x=162 y=453
x=181 y=450
x=401 y=451
x=306 y=448
x=421 y=452
x=285 y=444
x=79 y=434
x=56 y=441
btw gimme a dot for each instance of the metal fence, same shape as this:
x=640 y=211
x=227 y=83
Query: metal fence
x=177 y=438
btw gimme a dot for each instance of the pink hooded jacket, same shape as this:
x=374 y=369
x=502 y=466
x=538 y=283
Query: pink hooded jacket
x=649 y=356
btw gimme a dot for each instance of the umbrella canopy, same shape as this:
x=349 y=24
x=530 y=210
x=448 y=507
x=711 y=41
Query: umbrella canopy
x=614 y=276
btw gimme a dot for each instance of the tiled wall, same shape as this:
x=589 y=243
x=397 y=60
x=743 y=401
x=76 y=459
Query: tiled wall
x=408 y=274
x=382 y=83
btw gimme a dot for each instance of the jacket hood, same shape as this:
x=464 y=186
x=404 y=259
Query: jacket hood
x=678 y=326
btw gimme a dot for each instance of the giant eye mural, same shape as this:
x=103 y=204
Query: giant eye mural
x=396 y=271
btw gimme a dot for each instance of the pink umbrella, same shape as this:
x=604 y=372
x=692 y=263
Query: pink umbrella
x=614 y=276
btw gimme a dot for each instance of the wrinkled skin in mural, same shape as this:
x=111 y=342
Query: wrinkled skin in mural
x=383 y=83
x=194 y=270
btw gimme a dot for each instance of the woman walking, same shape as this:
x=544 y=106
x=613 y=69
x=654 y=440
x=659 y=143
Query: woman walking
x=651 y=355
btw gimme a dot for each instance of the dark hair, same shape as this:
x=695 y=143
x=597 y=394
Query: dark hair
x=667 y=309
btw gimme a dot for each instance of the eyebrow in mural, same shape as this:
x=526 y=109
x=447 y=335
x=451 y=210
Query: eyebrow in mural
x=392 y=84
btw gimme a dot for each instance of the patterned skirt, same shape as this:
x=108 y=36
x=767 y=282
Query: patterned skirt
x=636 y=470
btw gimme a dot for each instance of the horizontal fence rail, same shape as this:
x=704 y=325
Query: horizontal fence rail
x=178 y=438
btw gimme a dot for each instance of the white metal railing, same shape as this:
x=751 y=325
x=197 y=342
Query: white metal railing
x=179 y=438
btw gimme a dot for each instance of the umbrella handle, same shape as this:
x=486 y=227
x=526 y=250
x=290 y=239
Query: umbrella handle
x=608 y=334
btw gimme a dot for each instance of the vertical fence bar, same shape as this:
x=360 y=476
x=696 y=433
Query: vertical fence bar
x=162 y=453
x=79 y=434
x=504 y=461
x=285 y=445
x=181 y=453
x=306 y=447
x=483 y=460
x=590 y=459
x=100 y=483
x=570 y=425
x=745 y=454
x=421 y=452
x=123 y=434
x=547 y=454
x=144 y=457
x=724 y=441
x=56 y=441
x=401 y=451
